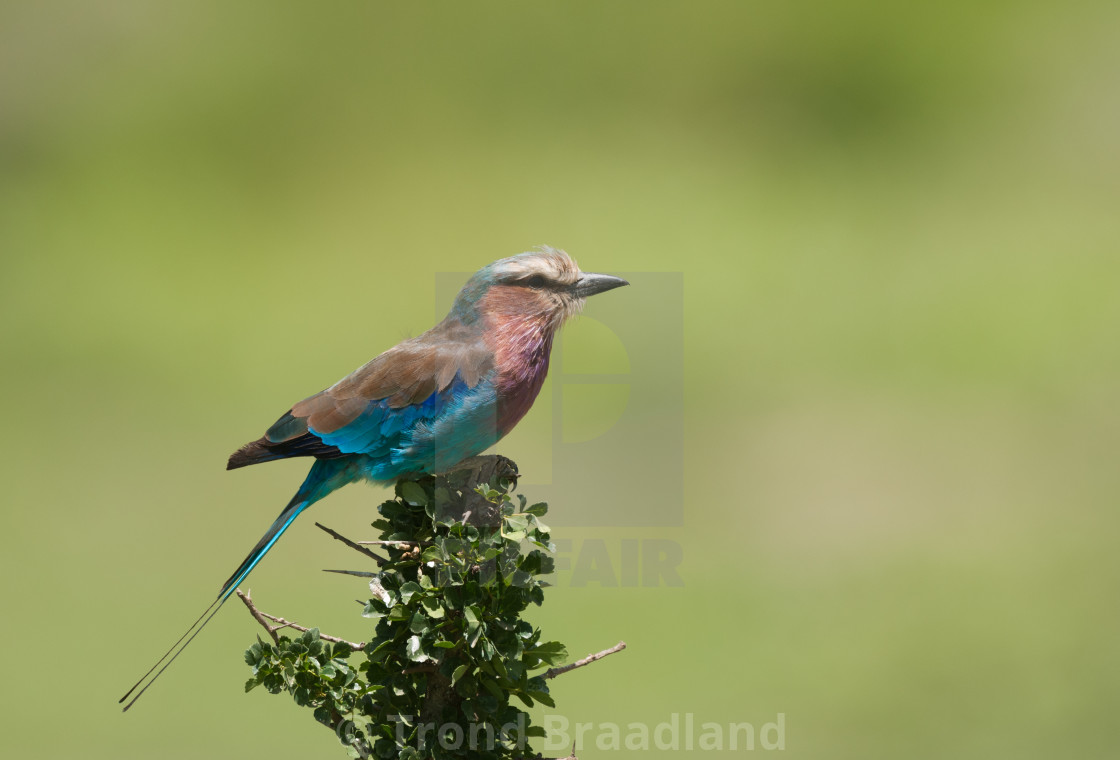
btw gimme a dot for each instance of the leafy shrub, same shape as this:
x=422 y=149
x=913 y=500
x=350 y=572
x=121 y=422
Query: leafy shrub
x=449 y=652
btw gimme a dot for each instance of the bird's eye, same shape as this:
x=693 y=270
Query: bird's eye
x=536 y=281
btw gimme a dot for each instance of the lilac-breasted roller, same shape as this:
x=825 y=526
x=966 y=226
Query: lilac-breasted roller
x=426 y=404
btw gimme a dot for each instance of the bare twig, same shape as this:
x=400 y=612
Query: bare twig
x=264 y=617
x=394 y=543
x=378 y=559
x=258 y=616
x=359 y=573
x=553 y=672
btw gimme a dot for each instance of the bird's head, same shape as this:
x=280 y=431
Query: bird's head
x=545 y=286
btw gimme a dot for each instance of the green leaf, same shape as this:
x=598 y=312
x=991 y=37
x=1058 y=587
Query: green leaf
x=413 y=493
x=412 y=649
x=548 y=565
x=408 y=589
x=493 y=688
x=467 y=687
x=542 y=697
x=253 y=654
x=418 y=623
x=549 y=652
x=471 y=614
x=460 y=671
x=432 y=607
x=517 y=522
x=489 y=704
x=489 y=494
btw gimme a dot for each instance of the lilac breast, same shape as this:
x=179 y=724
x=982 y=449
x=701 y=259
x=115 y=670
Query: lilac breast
x=522 y=364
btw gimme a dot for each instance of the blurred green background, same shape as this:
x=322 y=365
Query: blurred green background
x=899 y=235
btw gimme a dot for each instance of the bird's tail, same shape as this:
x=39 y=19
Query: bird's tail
x=299 y=502
x=325 y=476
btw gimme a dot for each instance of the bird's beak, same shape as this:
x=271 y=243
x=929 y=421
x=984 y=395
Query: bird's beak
x=589 y=284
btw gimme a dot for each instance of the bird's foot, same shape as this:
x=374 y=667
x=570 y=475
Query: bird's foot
x=494 y=470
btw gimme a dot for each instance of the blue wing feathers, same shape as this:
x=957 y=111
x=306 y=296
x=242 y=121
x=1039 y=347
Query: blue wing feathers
x=381 y=428
x=457 y=421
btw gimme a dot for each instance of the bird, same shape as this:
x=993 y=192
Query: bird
x=423 y=406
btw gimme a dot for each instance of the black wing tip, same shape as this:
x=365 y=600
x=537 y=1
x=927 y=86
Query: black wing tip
x=265 y=450
x=251 y=453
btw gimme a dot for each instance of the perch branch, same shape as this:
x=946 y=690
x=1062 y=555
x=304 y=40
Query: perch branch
x=359 y=573
x=264 y=617
x=553 y=672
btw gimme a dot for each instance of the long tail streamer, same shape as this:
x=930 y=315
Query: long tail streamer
x=282 y=522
